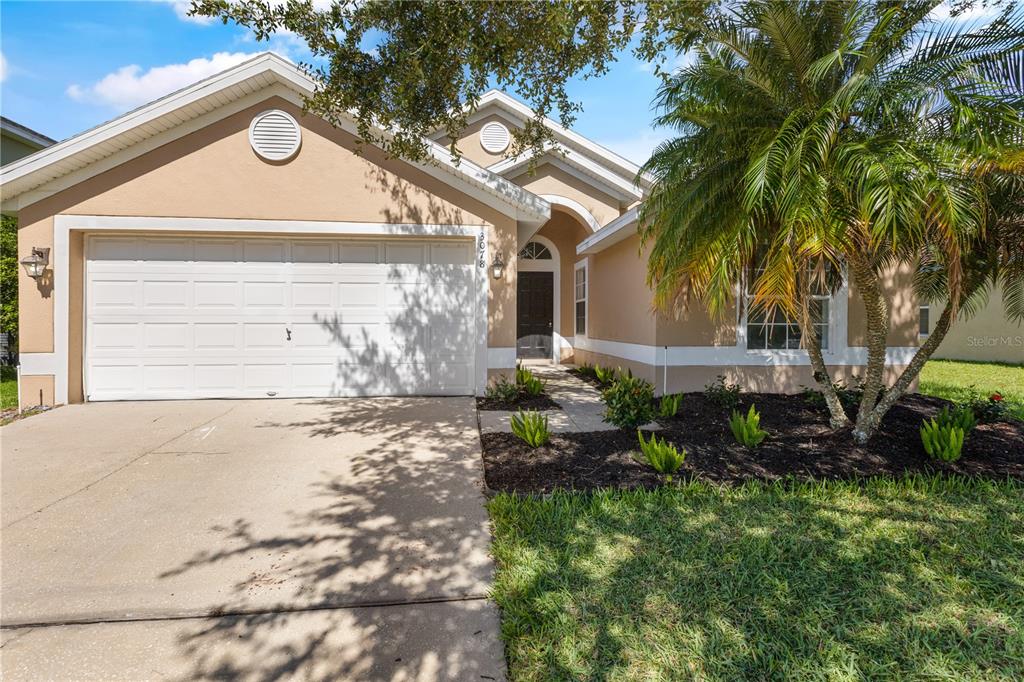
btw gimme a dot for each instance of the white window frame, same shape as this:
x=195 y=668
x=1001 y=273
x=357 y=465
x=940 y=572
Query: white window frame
x=576 y=300
x=832 y=325
x=928 y=325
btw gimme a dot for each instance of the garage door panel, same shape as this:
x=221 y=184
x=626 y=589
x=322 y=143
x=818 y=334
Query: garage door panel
x=219 y=294
x=285 y=317
x=167 y=336
x=217 y=336
x=115 y=293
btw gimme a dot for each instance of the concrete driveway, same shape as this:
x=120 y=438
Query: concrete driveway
x=317 y=539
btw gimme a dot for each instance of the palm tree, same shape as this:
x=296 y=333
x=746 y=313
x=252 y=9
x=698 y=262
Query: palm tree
x=827 y=140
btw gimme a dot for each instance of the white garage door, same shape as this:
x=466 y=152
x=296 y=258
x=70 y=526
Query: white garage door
x=250 y=318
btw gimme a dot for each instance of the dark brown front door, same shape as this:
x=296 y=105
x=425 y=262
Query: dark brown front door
x=535 y=314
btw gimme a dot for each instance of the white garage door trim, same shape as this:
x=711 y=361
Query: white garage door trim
x=56 y=363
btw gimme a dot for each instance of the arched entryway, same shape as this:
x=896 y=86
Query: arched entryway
x=538 y=310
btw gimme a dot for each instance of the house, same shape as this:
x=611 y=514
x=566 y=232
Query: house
x=988 y=335
x=17 y=141
x=220 y=243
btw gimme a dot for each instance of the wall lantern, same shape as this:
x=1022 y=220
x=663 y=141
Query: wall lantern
x=498 y=266
x=35 y=265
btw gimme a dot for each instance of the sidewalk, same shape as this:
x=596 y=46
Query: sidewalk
x=582 y=408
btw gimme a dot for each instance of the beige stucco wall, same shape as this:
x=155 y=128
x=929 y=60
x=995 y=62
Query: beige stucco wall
x=547 y=179
x=619 y=305
x=898 y=289
x=469 y=145
x=213 y=173
x=987 y=336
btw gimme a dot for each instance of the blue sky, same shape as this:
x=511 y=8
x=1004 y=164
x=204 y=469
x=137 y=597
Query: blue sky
x=68 y=66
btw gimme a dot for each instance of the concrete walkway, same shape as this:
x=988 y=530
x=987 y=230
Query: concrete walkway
x=582 y=407
x=243 y=539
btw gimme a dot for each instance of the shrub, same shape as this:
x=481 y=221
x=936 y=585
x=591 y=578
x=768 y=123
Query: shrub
x=963 y=418
x=661 y=455
x=502 y=390
x=604 y=375
x=942 y=442
x=747 y=429
x=586 y=370
x=849 y=398
x=723 y=394
x=986 y=409
x=630 y=402
x=531 y=427
x=529 y=383
x=669 y=405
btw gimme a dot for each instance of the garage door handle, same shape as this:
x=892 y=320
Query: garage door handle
x=289 y=333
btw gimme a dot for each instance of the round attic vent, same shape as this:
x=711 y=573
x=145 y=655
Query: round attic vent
x=275 y=135
x=494 y=137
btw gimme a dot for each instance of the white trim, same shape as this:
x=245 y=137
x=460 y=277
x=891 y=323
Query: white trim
x=576 y=208
x=724 y=356
x=501 y=357
x=609 y=235
x=578 y=166
x=35 y=364
x=130 y=133
x=63 y=225
x=26 y=136
x=623 y=166
x=585 y=266
x=554 y=265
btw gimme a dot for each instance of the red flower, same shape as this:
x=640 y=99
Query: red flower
x=996 y=397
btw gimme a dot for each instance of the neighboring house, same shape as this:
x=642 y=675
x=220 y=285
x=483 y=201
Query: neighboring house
x=17 y=141
x=220 y=243
x=986 y=336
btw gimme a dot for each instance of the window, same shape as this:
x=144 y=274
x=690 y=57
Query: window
x=923 y=320
x=581 y=298
x=535 y=251
x=775 y=331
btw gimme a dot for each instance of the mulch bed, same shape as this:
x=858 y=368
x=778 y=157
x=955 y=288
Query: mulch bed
x=541 y=402
x=800 y=444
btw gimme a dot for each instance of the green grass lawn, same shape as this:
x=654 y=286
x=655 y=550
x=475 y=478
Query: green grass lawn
x=957 y=381
x=918 y=579
x=8 y=388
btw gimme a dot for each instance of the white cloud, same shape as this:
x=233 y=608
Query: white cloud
x=130 y=86
x=637 y=148
x=182 y=7
x=3 y=67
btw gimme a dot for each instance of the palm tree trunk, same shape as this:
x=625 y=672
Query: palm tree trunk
x=877 y=319
x=837 y=415
x=911 y=371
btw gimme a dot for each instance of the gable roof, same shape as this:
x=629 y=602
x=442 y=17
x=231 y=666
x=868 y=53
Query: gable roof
x=24 y=134
x=95 y=150
x=573 y=142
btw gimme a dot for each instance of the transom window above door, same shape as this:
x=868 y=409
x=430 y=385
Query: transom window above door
x=535 y=251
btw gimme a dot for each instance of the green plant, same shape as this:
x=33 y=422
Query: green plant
x=722 y=393
x=848 y=397
x=502 y=390
x=961 y=417
x=630 y=402
x=747 y=429
x=942 y=441
x=531 y=427
x=528 y=382
x=669 y=405
x=661 y=455
x=987 y=409
x=585 y=369
x=604 y=375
